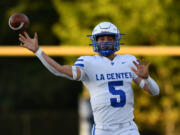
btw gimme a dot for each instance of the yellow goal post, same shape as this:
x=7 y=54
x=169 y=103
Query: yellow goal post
x=14 y=51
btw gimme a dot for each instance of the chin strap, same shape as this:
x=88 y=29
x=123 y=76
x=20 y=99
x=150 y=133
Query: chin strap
x=106 y=53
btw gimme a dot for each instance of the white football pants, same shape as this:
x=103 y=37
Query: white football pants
x=128 y=128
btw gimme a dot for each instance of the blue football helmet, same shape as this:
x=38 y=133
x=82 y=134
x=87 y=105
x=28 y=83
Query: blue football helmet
x=102 y=29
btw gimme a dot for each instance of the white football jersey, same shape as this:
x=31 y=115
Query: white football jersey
x=110 y=86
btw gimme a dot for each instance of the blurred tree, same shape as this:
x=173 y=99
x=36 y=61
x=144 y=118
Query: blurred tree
x=147 y=22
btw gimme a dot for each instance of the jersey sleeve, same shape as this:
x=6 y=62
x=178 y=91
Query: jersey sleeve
x=80 y=62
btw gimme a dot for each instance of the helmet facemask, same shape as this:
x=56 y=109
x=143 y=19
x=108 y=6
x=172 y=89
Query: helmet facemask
x=105 y=48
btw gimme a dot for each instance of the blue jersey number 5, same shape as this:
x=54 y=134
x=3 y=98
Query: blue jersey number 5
x=121 y=93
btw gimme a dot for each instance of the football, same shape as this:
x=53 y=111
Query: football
x=18 y=22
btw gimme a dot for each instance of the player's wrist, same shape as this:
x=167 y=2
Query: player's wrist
x=145 y=77
x=144 y=81
x=152 y=85
x=38 y=52
x=148 y=79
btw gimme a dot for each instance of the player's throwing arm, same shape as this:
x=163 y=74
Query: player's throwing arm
x=70 y=72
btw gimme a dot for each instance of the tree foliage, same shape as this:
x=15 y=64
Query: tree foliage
x=150 y=22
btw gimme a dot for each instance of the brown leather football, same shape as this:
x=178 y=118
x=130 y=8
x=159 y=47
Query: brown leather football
x=18 y=22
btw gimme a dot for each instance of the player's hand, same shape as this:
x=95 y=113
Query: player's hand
x=28 y=42
x=142 y=69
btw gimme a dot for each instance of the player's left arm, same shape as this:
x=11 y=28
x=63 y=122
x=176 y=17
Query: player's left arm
x=144 y=80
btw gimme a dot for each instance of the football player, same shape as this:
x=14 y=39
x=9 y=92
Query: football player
x=107 y=76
